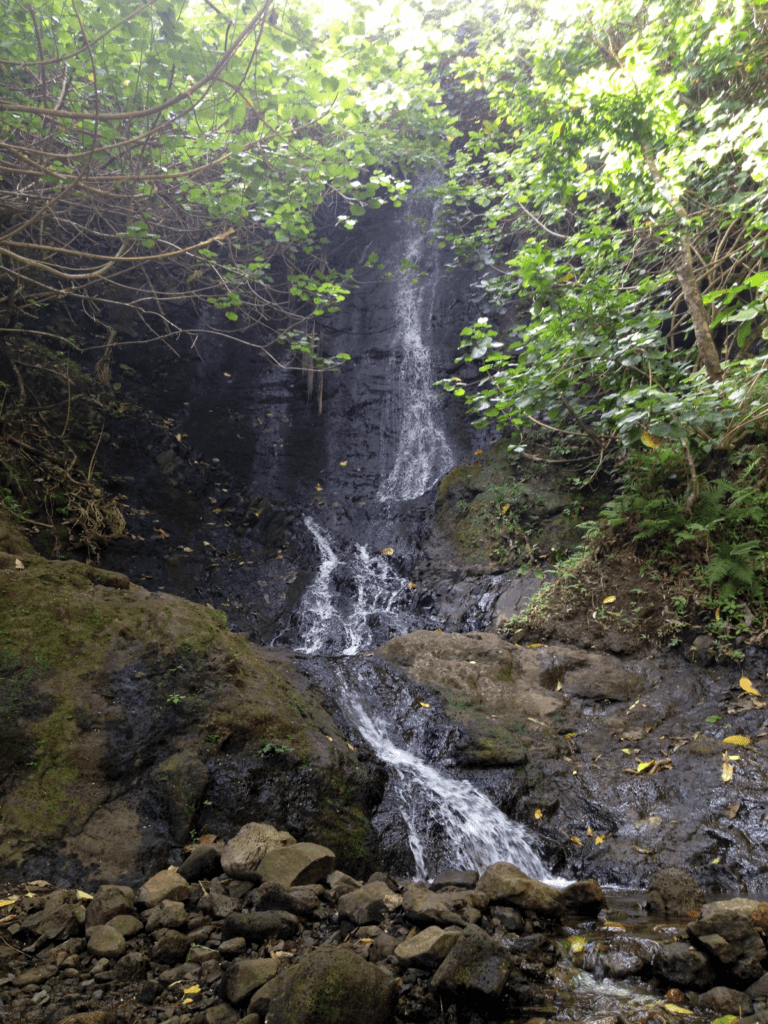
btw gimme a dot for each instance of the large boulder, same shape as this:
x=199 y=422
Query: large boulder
x=242 y=855
x=730 y=934
x=674 y=892
x=476 y=967
x=165 y=885
x=504 y=883
x=424 y=907
x=684 y=967
x=330 y=986
x=427 y=949
x=369 y=904
x=299 y=864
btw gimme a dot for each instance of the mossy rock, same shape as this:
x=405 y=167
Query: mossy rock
x=124 y=711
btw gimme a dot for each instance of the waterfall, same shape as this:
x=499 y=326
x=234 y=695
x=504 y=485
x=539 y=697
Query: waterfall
x=358 y=599
x=423 y=453
x=347 y=596
x=467 y=830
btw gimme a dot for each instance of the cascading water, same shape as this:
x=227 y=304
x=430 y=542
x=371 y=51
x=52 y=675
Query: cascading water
x=358 y=599
x=340 y=622
x=471 y=831
x=423 y=453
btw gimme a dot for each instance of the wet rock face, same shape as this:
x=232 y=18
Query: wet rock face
x=623 y=756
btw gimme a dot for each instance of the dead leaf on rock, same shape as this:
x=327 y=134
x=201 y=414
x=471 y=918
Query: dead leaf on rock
x=738 y=740
x=747 y=687
x=575 y=839
x=536 y=814
x=731 y=810
x=387 y=551
x=727 y=768
x=18 y=564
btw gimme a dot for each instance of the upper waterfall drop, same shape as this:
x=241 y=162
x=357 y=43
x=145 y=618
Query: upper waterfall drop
x=411 y=410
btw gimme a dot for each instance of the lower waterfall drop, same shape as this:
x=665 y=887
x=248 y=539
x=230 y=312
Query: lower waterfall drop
x=474 y=832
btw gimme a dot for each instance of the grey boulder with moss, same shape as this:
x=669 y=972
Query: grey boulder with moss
x=332 y=986
x=243 y=854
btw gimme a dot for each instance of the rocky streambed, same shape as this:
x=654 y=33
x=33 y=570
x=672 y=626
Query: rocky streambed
x=262 y=928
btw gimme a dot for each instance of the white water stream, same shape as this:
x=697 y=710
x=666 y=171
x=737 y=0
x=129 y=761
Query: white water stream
x=423 y=451
x=337 y=621
x=473 y=832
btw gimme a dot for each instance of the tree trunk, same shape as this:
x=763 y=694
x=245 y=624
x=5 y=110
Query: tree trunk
x=692 y=295
x=686 y=275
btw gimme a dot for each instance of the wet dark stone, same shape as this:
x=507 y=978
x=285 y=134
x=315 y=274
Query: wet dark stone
x=203 y=862
x=459 y=879
x=476 y=967
x=261 y=925
x=687 y=968
x=673 y=892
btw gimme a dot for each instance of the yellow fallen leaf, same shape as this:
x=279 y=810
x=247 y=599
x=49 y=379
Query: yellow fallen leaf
x=344 y=463
x=716 y=860
x=7 y=903
x=412 y=586
x=590 y=833
x=674 y=1008
x=626 y=750
x=387 y=551
x=609 y=600
x=728 y=1018
x=178 y=438
x=717 y=614
x=424 y=705
x=536 y=814
x=599 y=839
x=329 y=738
x=533 y=646
x=644 y=765
x=206 y=543
x=650 y=440
x=365 y=940
x=734 y=757
x=318 y=487
x=747 y=687
x=738 y=741
x=505 y=510
x=575 y=839
x=576 y=942
x=83 y=895
x=479 y=451
x=18 y=564
x=727 y=769
x=192 y=990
